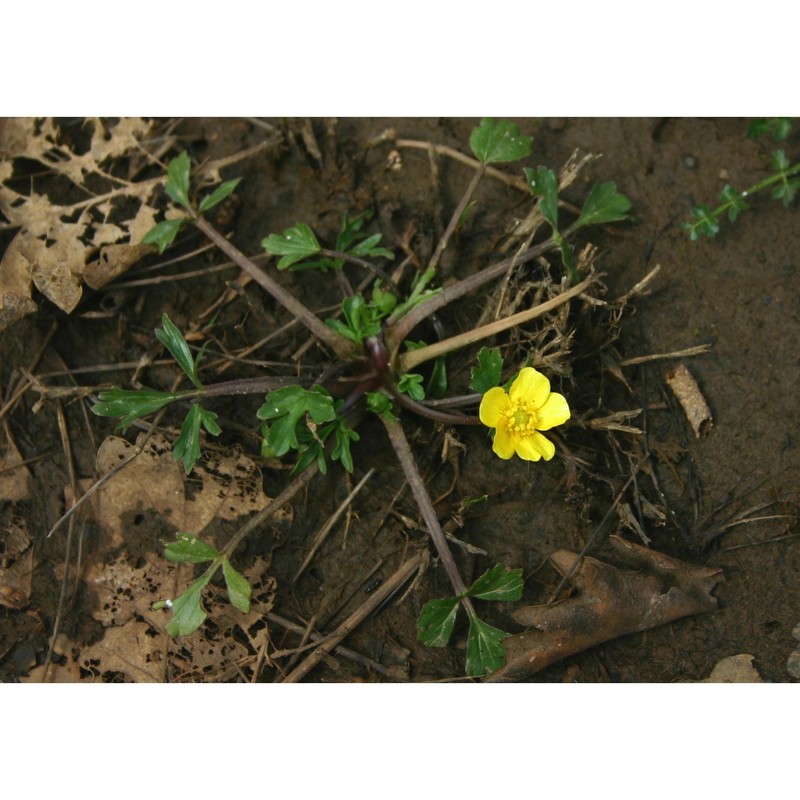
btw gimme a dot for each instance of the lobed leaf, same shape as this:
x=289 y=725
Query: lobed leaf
x=436 y=621
x=487 y=374
x=294 y=244
x=544 y=184
x=287 y=406
x=188 y=613
x=485 y=653
x=604 y=204
x=131 y=404
x=500 y=141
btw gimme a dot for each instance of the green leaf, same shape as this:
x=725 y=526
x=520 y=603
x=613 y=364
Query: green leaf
x=411 y=384
x=779 y=162
x=341 y=450
x=758 y=127
x=383 y=301
x=498 y=584
x=164 y=233
x=294 y=244
x=208 y=420
x=287 y=406
x=437 y=385
x=169 y=335
x=485 y=653
x=493 y=142
x=363 y=320
x=187 y=445
x=187 y=609
x=487 y=374
x=380 y=404
x=178 y=179
x=735 y=202
x=782 y=128
x=705 y=223
x=131 y=404
x=238 y=587
x=603 y=205
x=544 y=184
x=436 y=621
x=786 y=191
x=218 y=195
x=369 y=249
x=188 y=549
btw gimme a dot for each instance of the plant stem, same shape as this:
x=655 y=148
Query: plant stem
x=411 y=471
x=413 y=358
x=454 y=220
x=339 y=344
x=396 y=334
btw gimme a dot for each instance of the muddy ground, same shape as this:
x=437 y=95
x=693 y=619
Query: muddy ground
x=726 y=500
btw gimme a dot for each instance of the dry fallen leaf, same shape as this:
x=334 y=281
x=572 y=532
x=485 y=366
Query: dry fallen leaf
x=610 y=602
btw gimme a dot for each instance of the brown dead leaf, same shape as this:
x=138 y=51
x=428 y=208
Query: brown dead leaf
x=610 y=602
x=734 y=669
x=15 y=477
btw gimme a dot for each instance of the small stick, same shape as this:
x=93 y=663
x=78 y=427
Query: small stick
x=374 y=601
x=697 y=350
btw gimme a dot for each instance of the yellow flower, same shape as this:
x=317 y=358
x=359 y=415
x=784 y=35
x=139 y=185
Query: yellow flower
x=518 y=416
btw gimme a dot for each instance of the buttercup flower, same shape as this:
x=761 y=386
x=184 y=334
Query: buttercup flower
x=517 y=417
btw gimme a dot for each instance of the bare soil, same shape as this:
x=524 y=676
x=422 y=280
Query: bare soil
x=728 y=499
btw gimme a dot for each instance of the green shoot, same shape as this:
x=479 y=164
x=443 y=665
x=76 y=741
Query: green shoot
x=495 y=142
x=351 y=241
x=380 y=404
x=177 y=187
x=784 y=181
x=485 y=652
x=362 y=319
x=411 y=384
x=289 y=406
x=187 y=445
x=603 y=205
x=188 y=613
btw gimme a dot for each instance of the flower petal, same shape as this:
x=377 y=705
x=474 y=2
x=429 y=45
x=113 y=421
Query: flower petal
x=503 y=444
x=531 y=386
x=535 y=446
x=494 y=403
x=555 y=411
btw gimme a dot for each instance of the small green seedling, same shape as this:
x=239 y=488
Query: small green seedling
x=132 y=404
x=188 y=613
x=485 y=652
x=784 y=180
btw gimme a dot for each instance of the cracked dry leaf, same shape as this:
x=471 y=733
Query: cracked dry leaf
x=57 y=244
x=224 y=486
x=610 y=602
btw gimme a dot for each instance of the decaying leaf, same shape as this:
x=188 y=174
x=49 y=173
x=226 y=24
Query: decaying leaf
x=15 y=477
x=654 y=589
x=734 y=669
x=224 y=486
x=694 y=405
